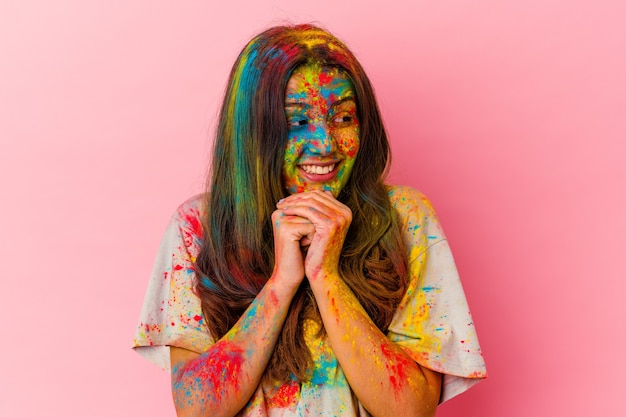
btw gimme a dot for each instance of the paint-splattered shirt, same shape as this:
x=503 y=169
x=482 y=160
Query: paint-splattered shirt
x=433 y=323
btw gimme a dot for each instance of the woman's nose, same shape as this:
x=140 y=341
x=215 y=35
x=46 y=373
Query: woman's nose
x=320 y=141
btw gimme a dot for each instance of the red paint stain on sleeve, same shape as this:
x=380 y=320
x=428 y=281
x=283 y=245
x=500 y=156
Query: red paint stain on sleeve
x=192 y=230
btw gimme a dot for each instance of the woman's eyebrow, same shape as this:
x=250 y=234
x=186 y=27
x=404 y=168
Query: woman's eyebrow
x=295 y=104
x=301 y=105
x=343 y=100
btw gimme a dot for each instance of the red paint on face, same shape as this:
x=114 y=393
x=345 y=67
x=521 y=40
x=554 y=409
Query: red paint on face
x=325 y=78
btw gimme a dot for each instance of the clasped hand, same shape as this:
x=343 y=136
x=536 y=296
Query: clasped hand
x=309 y=231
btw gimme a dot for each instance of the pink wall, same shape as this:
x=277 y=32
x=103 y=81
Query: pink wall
x=509 y=115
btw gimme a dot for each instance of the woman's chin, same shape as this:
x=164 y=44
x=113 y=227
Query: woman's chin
x=333 y=188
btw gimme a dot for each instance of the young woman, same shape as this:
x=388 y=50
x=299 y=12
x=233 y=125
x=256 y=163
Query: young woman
x=300 y=284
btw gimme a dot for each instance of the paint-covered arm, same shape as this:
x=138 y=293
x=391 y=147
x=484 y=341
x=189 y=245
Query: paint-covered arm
x=384 y=378
x=220 y=381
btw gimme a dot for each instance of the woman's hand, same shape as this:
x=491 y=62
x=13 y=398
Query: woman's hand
x=328 y=221
x=292 y=234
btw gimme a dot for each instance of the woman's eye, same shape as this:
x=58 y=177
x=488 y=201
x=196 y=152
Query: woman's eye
x=343 y=119
x=298 y=122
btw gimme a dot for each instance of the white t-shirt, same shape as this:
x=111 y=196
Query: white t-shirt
x=432 y=324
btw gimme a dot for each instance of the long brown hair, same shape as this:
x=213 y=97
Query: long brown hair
x=237 y=255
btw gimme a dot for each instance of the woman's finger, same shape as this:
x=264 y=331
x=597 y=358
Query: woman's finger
x=318 y=207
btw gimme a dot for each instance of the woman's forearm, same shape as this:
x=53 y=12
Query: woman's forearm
x=220 y=381
x=383 y=377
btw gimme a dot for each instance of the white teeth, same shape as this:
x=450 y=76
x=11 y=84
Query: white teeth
x=315 y=169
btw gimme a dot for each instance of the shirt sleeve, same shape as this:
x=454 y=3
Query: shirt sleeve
x=171 y=314
x=433 y=323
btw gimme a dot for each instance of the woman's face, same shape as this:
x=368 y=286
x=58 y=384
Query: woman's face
x=323 y=136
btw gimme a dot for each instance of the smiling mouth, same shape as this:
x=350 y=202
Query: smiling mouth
x=318 y=170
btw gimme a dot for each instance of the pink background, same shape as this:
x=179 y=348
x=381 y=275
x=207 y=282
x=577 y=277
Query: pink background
x=510 y=116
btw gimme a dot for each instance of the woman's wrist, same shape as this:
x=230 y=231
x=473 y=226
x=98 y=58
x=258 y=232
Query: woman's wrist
x=282 y=287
